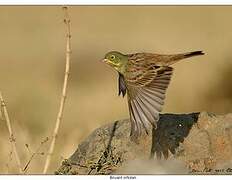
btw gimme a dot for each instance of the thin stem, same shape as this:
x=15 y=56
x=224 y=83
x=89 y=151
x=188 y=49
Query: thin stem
x=33 y=154
x=10 y=130
x=64 y=91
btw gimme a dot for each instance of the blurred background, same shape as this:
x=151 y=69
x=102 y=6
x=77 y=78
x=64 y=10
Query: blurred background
x=32 y=62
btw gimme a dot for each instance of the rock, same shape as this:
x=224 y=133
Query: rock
x=199 y=142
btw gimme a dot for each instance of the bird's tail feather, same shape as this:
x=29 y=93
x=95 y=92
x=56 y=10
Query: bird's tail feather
x=177 y=57
x=194 y=53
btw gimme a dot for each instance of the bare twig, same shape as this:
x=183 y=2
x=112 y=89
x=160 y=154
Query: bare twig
x=33 y=154
x=1 y=114
x=9 y=161
x=12 y=137
x=64 y=91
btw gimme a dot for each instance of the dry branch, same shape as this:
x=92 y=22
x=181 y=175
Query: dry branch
x=10 y=130
x=25 y=169
x=64 y=91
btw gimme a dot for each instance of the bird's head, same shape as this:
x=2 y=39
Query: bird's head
x=116 y=60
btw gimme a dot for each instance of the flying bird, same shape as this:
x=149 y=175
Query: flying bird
x=145 y=78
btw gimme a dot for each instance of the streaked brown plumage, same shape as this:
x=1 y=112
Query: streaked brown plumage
x=145 y=78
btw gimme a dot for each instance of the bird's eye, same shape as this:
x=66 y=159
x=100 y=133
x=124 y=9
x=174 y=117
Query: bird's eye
x=112 y=57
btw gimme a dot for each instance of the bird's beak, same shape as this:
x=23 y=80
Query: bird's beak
x=105 y=60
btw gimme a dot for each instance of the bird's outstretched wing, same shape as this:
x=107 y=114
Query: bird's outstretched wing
x=146 y=93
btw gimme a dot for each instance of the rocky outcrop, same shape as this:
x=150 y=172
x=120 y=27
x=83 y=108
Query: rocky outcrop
x=191 y=143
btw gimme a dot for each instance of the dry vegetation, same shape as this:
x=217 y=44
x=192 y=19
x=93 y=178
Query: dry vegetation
x=5 y=116
x=32 y=63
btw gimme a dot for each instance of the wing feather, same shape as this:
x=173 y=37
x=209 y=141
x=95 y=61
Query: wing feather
x=141 y=116
x=146 y=102
x=145 y=109
x=121 y=85
x=151 y=100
